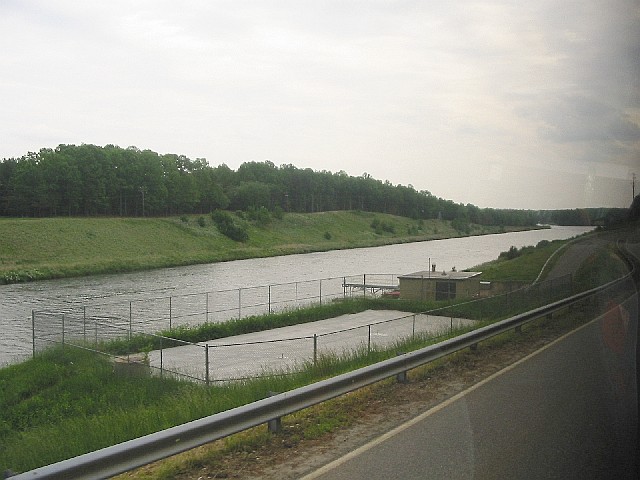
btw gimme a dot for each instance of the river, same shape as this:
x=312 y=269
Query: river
x=17 y=301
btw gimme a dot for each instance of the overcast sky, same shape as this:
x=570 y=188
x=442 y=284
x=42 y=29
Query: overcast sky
x=508 y=104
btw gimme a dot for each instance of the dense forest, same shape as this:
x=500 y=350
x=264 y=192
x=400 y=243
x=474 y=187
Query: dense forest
x=90 y=180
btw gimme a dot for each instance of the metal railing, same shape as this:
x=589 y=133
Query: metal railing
x=134 y=453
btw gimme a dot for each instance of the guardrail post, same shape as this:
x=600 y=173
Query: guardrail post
x=269 y=301
x=275 y=424
x=320 y=291
x=402 y=376
x=206 y=315
x=369 y=339
x=239 y=303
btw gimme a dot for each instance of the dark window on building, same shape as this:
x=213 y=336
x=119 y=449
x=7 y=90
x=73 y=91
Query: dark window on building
x=445 y=290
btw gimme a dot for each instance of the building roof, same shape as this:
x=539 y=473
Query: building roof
x=452 y=275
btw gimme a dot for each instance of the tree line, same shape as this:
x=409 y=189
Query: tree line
x=89 y=180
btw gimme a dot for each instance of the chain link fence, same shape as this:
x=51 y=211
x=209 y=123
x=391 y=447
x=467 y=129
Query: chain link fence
x=92 y=326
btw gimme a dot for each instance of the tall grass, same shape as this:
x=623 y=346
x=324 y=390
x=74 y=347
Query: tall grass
x=67 y=402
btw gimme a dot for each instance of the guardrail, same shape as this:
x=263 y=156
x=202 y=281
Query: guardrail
x=135 y=453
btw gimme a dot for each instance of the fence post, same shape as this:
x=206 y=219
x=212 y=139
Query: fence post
x=84 y=323
x=413 y=327
x=344 y=287
x=206 y=315
x=206 y=363
x=63 y=332
x=161 y=360
x=364 y=286
x=320 y=291
x=369 y=340
x=170 y=313
x=239 y=303
x=269 y=301
x=33 y=331
x=130 y=319
x=315 y=349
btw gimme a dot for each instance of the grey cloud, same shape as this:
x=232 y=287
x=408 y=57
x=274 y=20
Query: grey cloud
x=581 y=118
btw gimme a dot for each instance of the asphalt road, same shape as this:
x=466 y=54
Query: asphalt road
x=567 y=412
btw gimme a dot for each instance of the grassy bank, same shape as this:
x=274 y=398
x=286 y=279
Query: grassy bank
x=520 y=265
x=43 y=248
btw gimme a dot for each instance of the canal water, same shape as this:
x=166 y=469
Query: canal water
x=17 y=301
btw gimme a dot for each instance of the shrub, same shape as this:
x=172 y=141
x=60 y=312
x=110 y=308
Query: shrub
x=379 y=226
x=259 y=215
x=225 y=224
x=278 y=213
x=202 y=222
x=327 y=235
x=512 y=253
x=461 y=225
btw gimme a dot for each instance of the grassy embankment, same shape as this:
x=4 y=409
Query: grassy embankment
x=56 y=406
x=36 y=249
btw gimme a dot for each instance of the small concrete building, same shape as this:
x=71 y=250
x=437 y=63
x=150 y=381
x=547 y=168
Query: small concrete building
x=432 y=285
